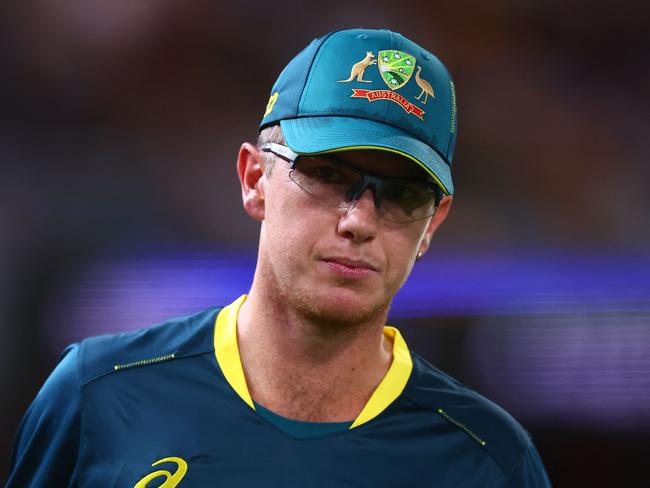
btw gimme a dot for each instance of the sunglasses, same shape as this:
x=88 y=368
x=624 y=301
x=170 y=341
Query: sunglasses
x=338 y=184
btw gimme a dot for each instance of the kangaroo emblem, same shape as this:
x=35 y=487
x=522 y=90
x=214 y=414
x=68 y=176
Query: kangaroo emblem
x=424 y=85
x=358 y=69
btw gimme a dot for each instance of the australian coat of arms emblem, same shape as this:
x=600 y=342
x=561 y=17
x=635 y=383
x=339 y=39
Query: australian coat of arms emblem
x=396 y=69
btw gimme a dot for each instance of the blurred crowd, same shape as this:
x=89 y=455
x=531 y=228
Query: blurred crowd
x=120 y=122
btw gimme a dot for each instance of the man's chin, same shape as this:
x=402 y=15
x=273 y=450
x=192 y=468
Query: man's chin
x=341 y=307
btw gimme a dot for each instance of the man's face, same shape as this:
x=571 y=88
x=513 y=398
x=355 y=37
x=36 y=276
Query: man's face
x=335 y=265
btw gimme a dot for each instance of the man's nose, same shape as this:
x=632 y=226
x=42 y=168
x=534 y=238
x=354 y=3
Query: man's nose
x=359 y=222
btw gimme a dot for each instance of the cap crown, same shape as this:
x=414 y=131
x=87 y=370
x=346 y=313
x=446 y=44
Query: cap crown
x=376 y=75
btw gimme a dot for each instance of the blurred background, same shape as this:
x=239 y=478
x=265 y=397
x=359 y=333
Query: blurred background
x=120 y=123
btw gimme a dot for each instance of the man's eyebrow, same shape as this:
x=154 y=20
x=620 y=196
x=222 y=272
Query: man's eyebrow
x=421 y=177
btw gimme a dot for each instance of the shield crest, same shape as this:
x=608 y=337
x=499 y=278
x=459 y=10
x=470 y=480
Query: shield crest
x=396 y=68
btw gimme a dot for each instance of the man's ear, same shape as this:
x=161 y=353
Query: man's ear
x=251 y=172
x=435 y=222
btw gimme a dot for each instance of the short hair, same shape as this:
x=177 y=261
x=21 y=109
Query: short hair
x=272 y=134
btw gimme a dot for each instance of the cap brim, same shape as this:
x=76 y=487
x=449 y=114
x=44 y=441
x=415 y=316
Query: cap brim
x=310 y=135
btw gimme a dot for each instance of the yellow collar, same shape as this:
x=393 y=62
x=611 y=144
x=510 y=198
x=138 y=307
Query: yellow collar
x=227 y=352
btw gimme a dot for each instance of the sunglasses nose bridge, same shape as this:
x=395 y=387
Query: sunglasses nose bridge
x=366 y=182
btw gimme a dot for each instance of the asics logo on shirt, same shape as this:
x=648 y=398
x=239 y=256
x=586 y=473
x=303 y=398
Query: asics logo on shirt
x=172 y=480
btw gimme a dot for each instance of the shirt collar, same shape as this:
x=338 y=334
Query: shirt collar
x=226 y=351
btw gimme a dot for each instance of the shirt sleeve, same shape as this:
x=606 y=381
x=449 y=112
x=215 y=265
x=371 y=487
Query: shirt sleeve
x=46 y=449
x=530 y=472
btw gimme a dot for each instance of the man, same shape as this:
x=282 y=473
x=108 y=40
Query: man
x=299 y=383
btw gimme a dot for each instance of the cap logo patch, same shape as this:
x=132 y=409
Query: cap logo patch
x=359 y=68
x=374 y=95
x=424 y=85
x=269 y=106
x=396 y=69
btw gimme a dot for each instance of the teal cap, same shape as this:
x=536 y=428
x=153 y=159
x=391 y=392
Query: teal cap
x=368 y=89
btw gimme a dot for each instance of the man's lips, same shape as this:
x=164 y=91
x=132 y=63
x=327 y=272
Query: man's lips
x=350 y=267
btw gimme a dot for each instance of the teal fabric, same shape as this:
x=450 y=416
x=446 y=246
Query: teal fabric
x=317 y=134
x=321 y=106
x=94 y=425
x=300 y=429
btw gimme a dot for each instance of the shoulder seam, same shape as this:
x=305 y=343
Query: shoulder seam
x=477 y=440
x=145 y=362
x=461 y=426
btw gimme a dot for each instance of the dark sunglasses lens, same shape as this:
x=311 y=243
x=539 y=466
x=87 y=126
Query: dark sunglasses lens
x=406 y=201
x=324 y=179
x=337 y=185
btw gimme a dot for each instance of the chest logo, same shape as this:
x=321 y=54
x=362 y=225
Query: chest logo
x=171 y=479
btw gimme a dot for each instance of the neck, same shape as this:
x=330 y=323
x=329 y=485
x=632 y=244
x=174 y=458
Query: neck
x=304 y=368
